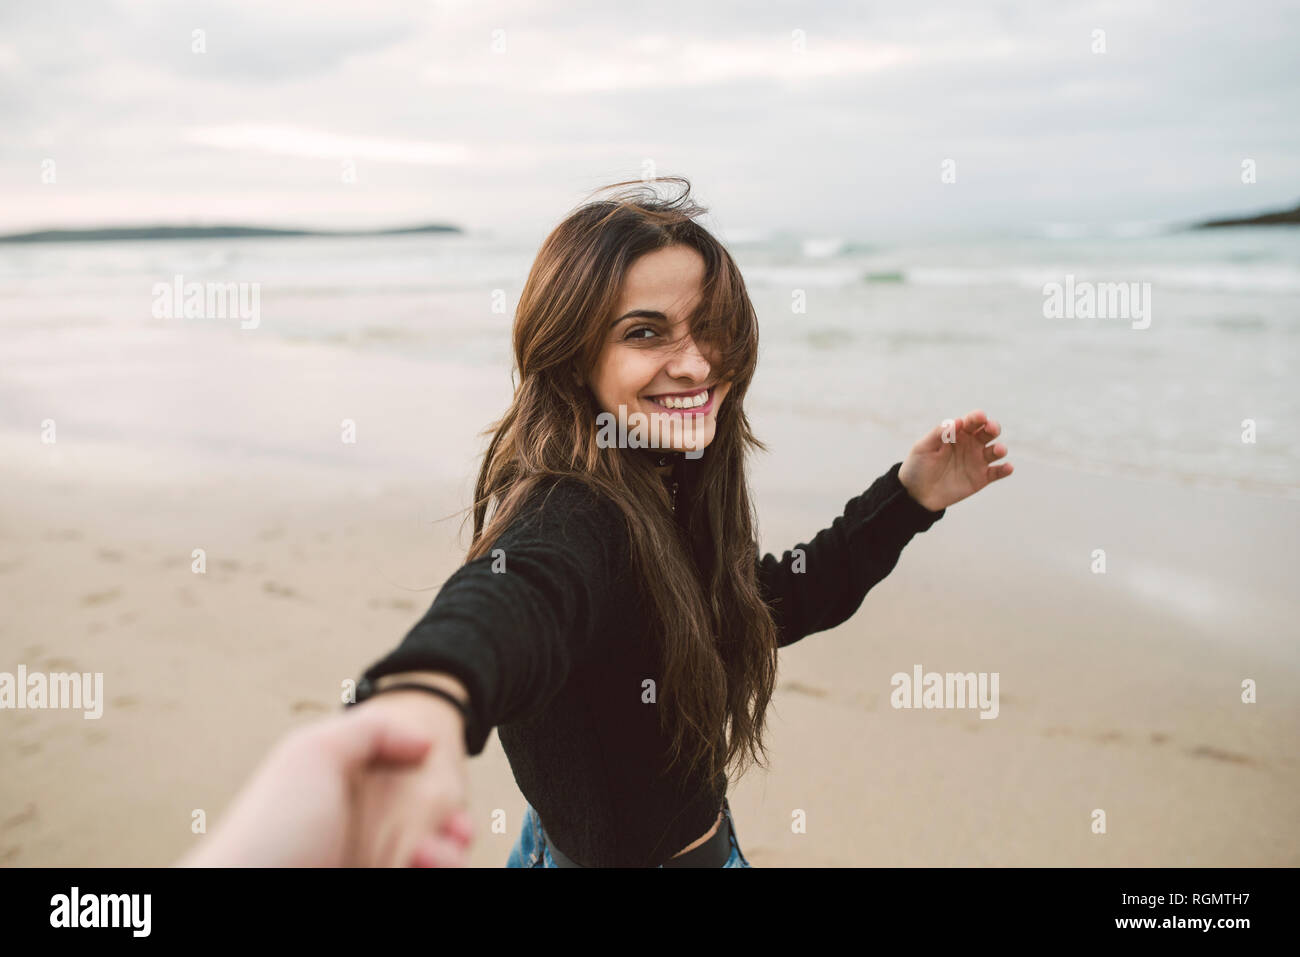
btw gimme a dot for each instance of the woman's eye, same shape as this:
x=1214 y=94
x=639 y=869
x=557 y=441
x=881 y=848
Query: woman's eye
x=633 y=333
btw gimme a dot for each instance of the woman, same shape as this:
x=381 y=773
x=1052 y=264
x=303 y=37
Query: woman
x=613 y=618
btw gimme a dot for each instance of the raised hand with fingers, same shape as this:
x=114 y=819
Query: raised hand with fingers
x=954 y=460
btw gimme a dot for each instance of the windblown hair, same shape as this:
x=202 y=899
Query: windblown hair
x=718 y=638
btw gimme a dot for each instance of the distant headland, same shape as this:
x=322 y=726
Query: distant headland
x=114 y=234
x=1288 y=217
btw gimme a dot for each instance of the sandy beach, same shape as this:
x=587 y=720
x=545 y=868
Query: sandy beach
x=1118 y=691
x=261 y=269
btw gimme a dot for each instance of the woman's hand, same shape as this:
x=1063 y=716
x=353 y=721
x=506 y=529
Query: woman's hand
x=954 y=462
x=414 y=816
x=299 y=808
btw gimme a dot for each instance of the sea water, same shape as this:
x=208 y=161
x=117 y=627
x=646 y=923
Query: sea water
x=407 y=338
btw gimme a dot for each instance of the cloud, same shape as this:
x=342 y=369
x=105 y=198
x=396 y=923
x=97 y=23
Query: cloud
x=845 y=130
x=565 y=65
x=318 y=144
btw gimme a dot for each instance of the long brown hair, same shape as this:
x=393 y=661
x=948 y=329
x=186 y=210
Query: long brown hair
x=718 y=638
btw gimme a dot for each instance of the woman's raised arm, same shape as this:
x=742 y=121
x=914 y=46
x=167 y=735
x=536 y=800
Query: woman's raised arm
x=820 y=584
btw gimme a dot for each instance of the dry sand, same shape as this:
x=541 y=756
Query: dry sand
x=1118 y=692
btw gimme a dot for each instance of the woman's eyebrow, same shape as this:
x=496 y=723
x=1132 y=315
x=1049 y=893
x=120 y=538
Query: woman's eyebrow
x=640 y=314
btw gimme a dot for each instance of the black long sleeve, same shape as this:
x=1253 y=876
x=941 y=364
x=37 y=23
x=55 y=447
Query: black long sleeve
x=842 y=563
x=514 y=637
x=557 y=653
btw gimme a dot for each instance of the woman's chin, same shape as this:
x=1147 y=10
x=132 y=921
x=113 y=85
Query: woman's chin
x=670 y=431
x=693 y=441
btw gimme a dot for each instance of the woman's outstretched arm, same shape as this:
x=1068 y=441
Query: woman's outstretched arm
x=510 y=626
x=820 y=584
x=503 y=635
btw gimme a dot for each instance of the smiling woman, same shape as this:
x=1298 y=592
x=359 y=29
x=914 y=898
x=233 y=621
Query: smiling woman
x=620 y=630
x=651 y=362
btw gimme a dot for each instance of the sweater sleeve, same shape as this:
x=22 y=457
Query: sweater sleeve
x=823 y=587
x=513 y=632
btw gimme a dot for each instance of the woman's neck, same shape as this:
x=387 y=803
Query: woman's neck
x=664 y=462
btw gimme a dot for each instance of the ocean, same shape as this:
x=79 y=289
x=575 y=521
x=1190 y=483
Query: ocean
x=408 y=337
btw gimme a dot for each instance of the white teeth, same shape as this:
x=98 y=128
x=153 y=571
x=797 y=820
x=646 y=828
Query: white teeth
x=684 y=402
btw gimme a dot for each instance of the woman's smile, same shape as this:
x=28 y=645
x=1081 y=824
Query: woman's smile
x=698 y=402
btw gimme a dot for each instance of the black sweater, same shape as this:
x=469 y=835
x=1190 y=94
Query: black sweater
x=554 y=651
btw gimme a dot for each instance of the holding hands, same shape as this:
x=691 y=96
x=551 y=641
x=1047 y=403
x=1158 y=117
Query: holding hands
x=379 y=785
x=954 y=460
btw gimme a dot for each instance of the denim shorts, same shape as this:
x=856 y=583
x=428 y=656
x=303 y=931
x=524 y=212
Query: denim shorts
x=531 y=849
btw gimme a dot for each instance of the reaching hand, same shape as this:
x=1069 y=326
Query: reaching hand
x=301 y=807
x=415 y=816
x=953 y=461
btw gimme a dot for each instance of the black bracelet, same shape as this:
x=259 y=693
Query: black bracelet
x=367 y=690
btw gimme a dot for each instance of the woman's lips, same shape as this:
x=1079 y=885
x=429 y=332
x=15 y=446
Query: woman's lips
x=693 y=410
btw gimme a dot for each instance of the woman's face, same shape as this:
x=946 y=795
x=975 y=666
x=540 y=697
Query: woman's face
x=649 y=362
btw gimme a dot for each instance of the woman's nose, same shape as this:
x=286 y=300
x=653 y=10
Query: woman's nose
x=688 y=362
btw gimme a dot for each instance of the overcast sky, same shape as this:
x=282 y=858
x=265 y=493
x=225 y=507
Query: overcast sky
x=839 y=130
